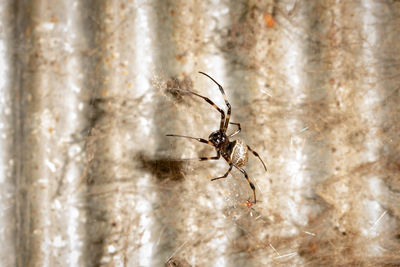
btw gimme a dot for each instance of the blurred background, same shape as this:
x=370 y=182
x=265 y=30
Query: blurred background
x=88 y=177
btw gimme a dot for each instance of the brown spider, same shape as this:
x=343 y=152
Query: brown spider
x=234 y=152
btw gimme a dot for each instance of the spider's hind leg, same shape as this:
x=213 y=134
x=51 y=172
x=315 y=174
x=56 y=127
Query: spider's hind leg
x=258 y=156
x=250 y=184
x=225 y=175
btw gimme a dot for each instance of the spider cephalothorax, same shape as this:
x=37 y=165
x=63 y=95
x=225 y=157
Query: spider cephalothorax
x=217 y=138
x=234 y=152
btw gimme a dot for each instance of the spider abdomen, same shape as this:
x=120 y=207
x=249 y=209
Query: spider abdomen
x=238 y=153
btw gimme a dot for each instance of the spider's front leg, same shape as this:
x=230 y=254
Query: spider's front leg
x=221 y=89
x=237 y=130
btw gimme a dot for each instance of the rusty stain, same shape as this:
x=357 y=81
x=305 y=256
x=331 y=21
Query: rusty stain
x=104 y=93
x=54 y=19
x=28 y=31
x=269 y=20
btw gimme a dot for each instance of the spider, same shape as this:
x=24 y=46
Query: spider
x=234 y=152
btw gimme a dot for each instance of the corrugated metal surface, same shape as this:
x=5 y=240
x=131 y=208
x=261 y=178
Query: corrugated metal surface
x=88 y=177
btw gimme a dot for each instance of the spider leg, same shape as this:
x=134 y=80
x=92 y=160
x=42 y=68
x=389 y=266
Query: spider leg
x=237 y=131
x=210 y=158
x=222 y=123
x=218 y=156
x=258 y=156
x=225 y=175
x=228 y=114
x=250 y=183
x=189 y=137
